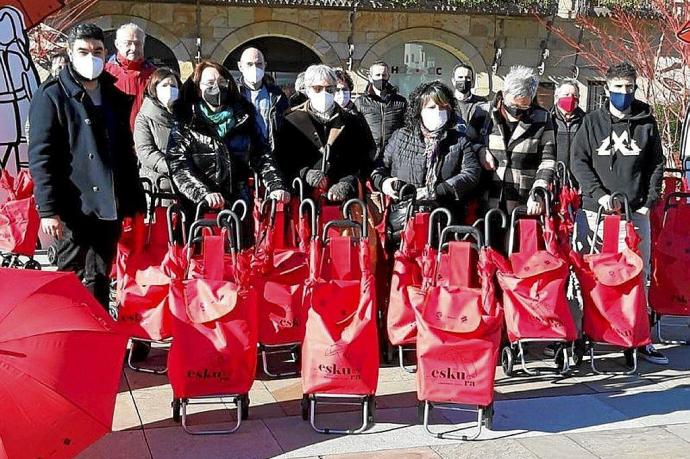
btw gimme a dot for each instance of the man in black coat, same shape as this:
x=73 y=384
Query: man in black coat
x=82 y=161
x=382 y=107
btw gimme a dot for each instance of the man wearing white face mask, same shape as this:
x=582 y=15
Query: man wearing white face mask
x=268 y=99
x=153 y=124
x=322 y=144
x=129 y=67
x=82 y=161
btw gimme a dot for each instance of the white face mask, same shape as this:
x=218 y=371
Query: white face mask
x=253 y=74
x=89 y=67
x=321 y=101
x=434 y=118
x=342 y=98
x=167 y=94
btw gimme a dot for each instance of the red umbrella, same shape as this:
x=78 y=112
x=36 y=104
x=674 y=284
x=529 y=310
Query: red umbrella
x=684 y=33
x=35 y=11
x=60 y=364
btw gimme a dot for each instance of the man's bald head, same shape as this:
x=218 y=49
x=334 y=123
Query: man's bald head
x=251 y=57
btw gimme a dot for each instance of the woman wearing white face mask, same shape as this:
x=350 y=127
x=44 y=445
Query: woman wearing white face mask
x=318 y=125
x=430 y=154
x=153 y=124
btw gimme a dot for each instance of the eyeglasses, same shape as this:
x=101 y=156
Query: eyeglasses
x=328 y=89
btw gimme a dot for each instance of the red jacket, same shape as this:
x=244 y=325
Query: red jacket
x=131 y=78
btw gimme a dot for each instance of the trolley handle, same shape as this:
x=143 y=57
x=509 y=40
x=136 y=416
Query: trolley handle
x=623 y=199
x=675 y=195
x=462 y=231
x=365 y=214
x=174 y=209
x=147 y=185
x=343 y=224
x=228 y=221
x=487 y=223
x=197 y=227
x=438 y=214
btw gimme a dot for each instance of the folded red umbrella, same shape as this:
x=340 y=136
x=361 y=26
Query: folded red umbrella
x=60 y=365
x=35 y=11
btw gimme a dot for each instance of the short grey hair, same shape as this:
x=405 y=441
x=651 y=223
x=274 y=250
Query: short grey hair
x=568 y=82
x=319 y=72
x=131 y=26
x=521 y=81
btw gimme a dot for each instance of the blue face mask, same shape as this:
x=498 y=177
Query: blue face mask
x=621 y=100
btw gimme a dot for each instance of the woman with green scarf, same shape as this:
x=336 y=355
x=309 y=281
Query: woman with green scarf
x=216 y=144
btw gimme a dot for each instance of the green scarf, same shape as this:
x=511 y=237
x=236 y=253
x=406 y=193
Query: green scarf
x=222 y=121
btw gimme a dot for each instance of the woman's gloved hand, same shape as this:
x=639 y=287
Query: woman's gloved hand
x=340 y=192
x=316 y=179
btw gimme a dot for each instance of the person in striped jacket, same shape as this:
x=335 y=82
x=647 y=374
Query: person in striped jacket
x=516 y=144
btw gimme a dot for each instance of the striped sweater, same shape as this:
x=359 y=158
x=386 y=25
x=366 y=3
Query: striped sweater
x=526 y=162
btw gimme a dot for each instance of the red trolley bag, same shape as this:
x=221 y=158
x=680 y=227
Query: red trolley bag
x=458 y=332
x=19 y=221
x=401 y=323
x=615 y=307
x=281 y=271
x=213 y=351
x=339 y=362
x=145 y=268
x=533 y=280
x=669 y=293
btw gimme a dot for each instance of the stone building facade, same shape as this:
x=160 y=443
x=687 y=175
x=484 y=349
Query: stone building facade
x=418 y=44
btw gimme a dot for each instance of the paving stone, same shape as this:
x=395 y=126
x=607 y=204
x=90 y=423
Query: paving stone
x=555 y=446
x=652 y=408
x=118 y=445
x=680 y=430
x=125 y=416
x=396 y=394
x=496 y=449
x=411 y=453
x=632 y=443
x=251 y=441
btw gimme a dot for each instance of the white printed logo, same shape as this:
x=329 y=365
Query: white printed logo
x=621 y=144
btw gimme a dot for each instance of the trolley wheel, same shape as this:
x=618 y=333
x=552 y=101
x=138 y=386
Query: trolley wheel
x=52 y=254
x=507 y=361
x=176 y=407
x=140 y=350
x=489 y=417
x=32 y=264
x=245 y=406
x=305 y=407
x=372 y=408
x=629 y=358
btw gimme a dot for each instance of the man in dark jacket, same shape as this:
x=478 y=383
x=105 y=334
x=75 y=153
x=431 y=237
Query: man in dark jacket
x=82 y=161
x=268 y=99
x=618 y=149
x=567 y=118
x=382 y=106
x=129 y=67
x=470 y=106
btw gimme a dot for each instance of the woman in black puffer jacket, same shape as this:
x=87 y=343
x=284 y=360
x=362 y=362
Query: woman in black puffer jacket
x=430 y=154
x=216 y=145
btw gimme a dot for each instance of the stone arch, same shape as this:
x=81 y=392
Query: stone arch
x=298 y=33
x=454 y=44
x=113 y=21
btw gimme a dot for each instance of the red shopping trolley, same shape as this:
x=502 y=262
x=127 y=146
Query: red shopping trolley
x=669 y=293
x=280 y=266
x=533 y=281
x=19 y=221
x=214 y=327
x=145 y=269
x=458 y=331
x=615 y=306
x=401 y=324
x=339 y=362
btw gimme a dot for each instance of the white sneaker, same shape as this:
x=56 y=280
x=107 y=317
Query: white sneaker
x=651 y=355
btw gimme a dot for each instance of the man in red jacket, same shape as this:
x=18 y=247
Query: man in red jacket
x=128 y=66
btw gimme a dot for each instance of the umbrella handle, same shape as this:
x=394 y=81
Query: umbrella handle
x=487 y=223
x=365 y=214
x=309 y=203
x=623 y=199
x=437 y=215
x=534 y=192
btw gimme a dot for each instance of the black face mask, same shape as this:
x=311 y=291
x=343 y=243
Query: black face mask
x=215 y=96
x=380 y=85
x=515 y=111
x=463 y=86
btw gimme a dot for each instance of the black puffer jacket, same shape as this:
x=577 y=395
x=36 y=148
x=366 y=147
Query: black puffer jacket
x=302 y=140
x=384 y=117
x=201 y=163
x=457 y=168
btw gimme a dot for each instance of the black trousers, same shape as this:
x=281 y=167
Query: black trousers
x=88 y=248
